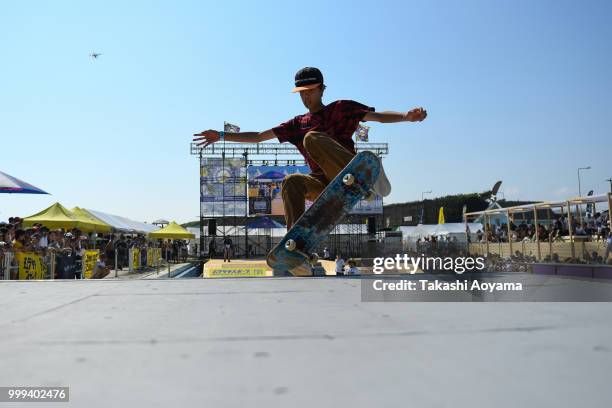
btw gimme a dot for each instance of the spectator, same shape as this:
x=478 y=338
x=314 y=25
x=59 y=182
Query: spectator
x=352 y=270
x=326 y=254
x=43 y=241
x=339 y=265
x=109 y=250
x=212 y=249
x=101 y=270
x=19 y=242
x=227 y=249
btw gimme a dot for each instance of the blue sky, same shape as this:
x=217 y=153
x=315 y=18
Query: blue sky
x=516 y=90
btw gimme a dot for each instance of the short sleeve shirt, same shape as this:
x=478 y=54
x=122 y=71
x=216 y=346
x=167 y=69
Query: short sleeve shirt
x=338 y=120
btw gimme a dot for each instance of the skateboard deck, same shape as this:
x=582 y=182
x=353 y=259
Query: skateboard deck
x=352 y=184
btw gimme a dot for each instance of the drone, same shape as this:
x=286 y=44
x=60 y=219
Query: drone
x=95 y=55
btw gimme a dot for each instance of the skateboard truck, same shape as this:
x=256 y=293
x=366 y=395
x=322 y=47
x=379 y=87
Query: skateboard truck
x=349 y=180
x=291 y=246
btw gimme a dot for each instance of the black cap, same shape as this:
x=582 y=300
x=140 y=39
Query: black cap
x=306 y=78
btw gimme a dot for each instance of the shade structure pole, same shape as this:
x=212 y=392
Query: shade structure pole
x=569 y=224
x=509 y=232
x=486 y=232
x=537 y=233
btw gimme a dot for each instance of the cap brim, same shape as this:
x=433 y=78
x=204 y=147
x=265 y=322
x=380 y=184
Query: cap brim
x=305 y=87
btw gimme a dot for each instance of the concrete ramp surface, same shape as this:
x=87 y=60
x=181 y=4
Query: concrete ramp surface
x=292 y=342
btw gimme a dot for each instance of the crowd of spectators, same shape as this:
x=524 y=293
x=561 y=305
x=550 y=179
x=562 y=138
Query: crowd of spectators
x=592 y=228
x=69 y=245
x=444 y=245
x=39 y=239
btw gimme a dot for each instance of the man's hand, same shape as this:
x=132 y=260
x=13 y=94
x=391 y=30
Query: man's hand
x=206 y=137
x=210 y=136
x=415 y=115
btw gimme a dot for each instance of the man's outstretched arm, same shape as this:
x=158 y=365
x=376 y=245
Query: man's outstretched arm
x=414 y=115
x=210 y=136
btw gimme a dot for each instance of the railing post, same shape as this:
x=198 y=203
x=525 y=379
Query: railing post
x=8 y=257
x=509 y=232
x=537 y=232
x=131 y=260
x=51 y=265
x=486 y=228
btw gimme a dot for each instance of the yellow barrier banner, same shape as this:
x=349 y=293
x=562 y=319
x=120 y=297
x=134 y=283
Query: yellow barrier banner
x=237 y=271
x=136 y=258
x=150 y=255
x=31 y=266
x=90 y=257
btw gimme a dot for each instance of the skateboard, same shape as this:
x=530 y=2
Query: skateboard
x=353 y=183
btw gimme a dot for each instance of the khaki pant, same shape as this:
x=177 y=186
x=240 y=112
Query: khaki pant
x=331 y=157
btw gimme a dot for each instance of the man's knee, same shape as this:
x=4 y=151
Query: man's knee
x=292 y=183
x=312 y=139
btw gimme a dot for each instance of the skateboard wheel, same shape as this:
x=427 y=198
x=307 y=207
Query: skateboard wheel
x=348 y=179
x=290 y=245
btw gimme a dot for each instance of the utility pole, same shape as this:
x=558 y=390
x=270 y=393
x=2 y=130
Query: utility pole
x=610 y=181
x=423 y=205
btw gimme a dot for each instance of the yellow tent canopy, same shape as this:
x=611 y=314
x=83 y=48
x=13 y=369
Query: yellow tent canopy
x=99 y=225
x=172 y=231
x=58 y=216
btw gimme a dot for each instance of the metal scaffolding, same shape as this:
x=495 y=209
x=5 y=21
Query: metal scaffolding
x=275 y=149
x=349 y=241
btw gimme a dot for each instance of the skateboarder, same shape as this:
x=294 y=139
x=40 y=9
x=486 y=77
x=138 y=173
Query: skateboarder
x=323 y=136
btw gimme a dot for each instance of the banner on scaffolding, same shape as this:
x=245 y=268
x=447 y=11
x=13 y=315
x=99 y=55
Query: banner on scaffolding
x=265 y=191
x=265 y=188
x=222 y=187
x=31 y=266
x=369 y=207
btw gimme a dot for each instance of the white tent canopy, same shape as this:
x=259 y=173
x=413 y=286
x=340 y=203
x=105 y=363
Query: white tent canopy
x=412 y=233
x=123 y=224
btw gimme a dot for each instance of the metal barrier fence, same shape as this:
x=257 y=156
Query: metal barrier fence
x=545 y=251
x=27 y=266
x=142 y=259
x=18 y=265
x=31 y=265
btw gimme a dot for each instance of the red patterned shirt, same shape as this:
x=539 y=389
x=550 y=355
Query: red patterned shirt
x=338 y=120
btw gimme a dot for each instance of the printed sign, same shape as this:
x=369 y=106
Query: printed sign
x=31 y=266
